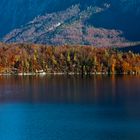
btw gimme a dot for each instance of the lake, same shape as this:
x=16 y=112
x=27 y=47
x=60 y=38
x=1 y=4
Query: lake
x=70 y=108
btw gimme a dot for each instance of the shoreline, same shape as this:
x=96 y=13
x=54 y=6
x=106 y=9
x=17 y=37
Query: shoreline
x=71 y=73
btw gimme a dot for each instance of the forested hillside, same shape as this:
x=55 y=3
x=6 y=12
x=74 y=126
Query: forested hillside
x=41 y=59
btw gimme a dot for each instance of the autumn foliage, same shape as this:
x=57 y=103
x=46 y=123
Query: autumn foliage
x=30 y=58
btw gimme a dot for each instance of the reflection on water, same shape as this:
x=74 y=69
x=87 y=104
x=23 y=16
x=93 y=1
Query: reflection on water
x=70 y=108
x=71 y=89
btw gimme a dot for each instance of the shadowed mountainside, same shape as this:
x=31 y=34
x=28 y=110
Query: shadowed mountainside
x=68 y=27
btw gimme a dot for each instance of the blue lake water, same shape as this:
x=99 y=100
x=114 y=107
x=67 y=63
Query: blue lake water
x=70 y=108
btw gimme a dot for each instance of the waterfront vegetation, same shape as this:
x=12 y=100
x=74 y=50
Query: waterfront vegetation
x=41 y=59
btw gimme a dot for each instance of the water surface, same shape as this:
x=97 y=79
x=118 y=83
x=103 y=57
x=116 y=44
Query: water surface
x=70 y=108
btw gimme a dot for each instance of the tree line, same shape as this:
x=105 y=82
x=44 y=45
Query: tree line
x=31 y=58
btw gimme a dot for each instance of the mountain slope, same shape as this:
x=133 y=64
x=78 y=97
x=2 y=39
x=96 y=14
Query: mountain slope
x=93 y=22
x=122 y=15
x=67 y=27
x=14 y=13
